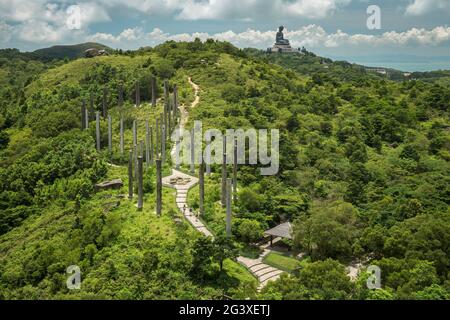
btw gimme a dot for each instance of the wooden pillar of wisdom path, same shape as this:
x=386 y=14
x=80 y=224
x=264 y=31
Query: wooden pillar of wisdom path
x=142 y=149
x=201 y=185
x=157 y=138
x=208 y=155
x=224 y=173
x=140 y=181
x=163 y=140
x=175 y=104
x=86 y=118
x=121 y=137
x=154 y=91
x=135 y=159
x=97 y=130
x=235 y=169
x=228 y=206
x=135 y=132
x=109 y=134
x=147 y=144
x=158 y=187
x=166 y=103
x=91 y=106
x=152 y=151
x=130 y=175
x=169 y=119
x=192 y=153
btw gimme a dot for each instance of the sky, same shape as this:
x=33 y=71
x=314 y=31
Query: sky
x=413 y=34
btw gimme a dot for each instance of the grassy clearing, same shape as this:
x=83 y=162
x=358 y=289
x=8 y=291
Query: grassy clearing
x=281 y=261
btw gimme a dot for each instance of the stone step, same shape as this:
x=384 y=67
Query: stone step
x=259 y=267
x=205 y=231
x=248 y=263
x=270 y=275
x=265 y=271
x=197 y=224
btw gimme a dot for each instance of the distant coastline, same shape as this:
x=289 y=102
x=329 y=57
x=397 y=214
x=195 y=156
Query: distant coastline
x=401 y=62
x=408 y=66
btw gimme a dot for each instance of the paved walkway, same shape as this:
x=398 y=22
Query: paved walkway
x=182 y=183
x=263 y=272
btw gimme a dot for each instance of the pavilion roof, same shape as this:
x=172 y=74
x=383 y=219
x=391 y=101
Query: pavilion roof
x=283 y=230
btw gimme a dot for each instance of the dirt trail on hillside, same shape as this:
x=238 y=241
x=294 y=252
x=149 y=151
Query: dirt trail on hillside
x=184 y=109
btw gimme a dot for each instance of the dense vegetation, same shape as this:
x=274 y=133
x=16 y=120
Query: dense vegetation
x=363 y=177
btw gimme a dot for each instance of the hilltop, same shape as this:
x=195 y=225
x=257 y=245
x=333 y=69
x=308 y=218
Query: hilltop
x=67 y=52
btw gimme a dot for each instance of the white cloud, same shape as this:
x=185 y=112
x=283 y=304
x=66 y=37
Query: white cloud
x=39 y=21
x=39 y=31
x=420 y=7
x=21 y=10
x=311 y=36
x=314 y=9
x=127 y=35
x=246 y=10
x=5 y=32
x=251 y=9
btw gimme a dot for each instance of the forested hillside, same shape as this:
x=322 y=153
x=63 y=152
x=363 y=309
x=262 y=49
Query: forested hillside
x=364 y=176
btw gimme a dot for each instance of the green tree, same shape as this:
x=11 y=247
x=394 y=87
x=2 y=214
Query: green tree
x=250 y=230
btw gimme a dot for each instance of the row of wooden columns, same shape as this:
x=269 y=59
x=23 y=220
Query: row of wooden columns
x=229 y=185
x=154 y=152
x=87 y=114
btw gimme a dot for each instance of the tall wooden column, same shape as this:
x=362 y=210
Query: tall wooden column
x=228 y=206
x=175 y=104
x=97 y=130
x=140 y=183
x=135 y=132
x=130 y=175
x=152 y=149
x=201 y=176
x=91 y=106
x=121 y=137
x=158 y=187
x=163 y=143
x=147 y=144
x=109 y=134
x=86 y=118
x=192 y=144
x=235 y=169
x=224 y=173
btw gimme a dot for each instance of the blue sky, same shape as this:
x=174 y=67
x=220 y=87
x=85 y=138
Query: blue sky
x=412 y=31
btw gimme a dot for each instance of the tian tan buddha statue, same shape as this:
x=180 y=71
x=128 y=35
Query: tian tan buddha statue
x=280 y=40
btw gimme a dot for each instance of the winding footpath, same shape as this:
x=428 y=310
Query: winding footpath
x=182 y=183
